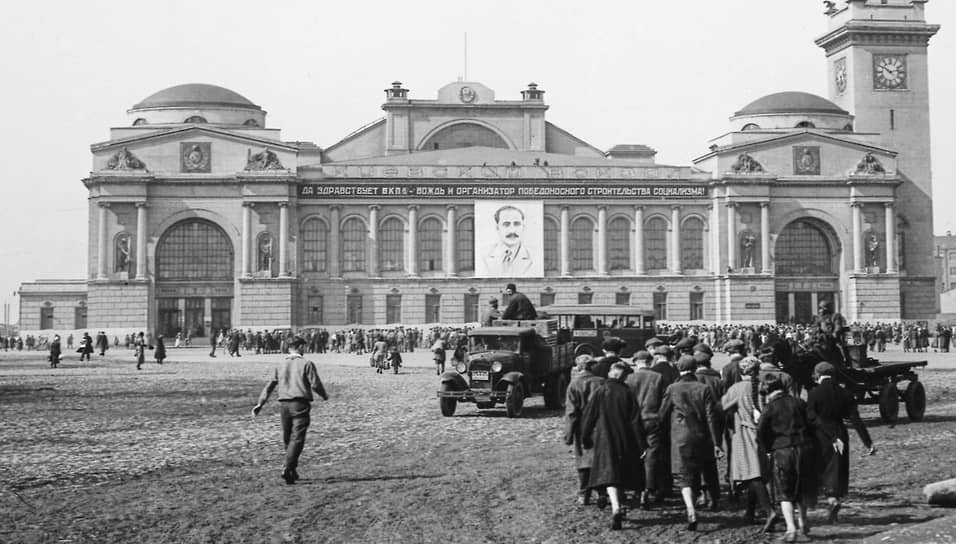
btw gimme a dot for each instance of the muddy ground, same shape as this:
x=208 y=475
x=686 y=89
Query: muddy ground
x=100 y=452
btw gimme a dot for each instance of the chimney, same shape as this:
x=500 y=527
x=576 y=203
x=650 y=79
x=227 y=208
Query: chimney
x=532 y=94
x=396 y=92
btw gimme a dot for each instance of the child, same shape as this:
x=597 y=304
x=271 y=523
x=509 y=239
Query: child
x=394 y=358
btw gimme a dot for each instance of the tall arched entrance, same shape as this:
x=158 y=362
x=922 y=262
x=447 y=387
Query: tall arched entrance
x=806 y=268
x=195 y=264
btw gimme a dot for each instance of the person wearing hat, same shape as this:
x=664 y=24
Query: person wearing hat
x=829 y=328
x=828 y=406
x=491 y=313
x=648 y=389
x=160 y=353
x=711 y=378
x=611 y=347
x=582 y=386
x=691 y=412
x=55 y=351
x=685 y=346
x=519 y=307
x=663 y=366
x=296 y=380
x=652 y=343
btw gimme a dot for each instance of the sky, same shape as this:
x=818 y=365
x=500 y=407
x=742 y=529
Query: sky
x=667 y=74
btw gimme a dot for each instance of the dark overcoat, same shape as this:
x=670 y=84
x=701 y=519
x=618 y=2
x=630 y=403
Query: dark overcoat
x=580 y=390
x=828 y=405
x=160 y=352
x=519 y=307
x=612 y=426
x=689 y=408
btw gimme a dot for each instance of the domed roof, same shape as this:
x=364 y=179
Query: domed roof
x=196 y=95
x=791 y=102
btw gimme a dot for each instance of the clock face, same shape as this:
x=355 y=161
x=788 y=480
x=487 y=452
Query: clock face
x=889 y=71
x=840 y=75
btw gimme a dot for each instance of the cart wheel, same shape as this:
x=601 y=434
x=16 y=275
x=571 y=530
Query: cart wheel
x=514 y=400
x=889 y=403
x=915 y=400
x=448 y=404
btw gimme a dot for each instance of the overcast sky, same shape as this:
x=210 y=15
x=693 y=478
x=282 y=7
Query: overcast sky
x=663 y=73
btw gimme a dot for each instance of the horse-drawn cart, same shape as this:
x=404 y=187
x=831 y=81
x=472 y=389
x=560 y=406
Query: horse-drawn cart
x=875 y=382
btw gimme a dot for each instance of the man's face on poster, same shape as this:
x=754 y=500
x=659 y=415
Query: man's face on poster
x=510 y=226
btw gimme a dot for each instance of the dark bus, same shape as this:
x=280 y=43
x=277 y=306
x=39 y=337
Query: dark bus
x=590 y=324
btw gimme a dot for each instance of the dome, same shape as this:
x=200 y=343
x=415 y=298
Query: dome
x=791 y=102
x=196 y=95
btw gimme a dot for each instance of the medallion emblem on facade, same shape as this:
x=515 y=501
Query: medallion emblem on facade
x=124 y=160
x=467 y=95
x=806 y=161
x=840 y=75
x=869 y=165
x=264 y=160
x=746 y=165
x=195 y=156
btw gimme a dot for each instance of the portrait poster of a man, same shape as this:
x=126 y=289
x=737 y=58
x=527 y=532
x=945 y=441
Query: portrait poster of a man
x=509 y=239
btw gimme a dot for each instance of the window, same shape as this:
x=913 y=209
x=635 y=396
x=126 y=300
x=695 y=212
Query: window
x=803 y=249
x=353 y=308
x=547 y=299
x=552 y=245
x=429 y=245
x=660 y=305
x=140 y=121
x=696 y=305
x=622 y=299
x=585 y=298
x=805 y=124
x=952 y=271
x=194 y=249
x=750 y=126
x=195 y=119
x=465 y=244
x=465 y=135
x=354 y=242
x=250 y=123
x=393 y=308
x=315 y=240
x=315 y=303
x=692 y=244
x=79 y=316
x=432 y=308
x=471 y=307
x=655 y=244
x=619 y=244
x=46 y=316
x=582 y=244
x=391 y=245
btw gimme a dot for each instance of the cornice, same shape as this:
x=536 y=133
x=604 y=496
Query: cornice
x=877 y=33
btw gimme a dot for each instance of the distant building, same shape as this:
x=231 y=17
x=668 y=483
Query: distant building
x=202 y=217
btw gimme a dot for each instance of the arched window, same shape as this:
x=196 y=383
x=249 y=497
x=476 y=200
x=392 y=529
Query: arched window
x=655 y=244
x=429 y=245
x=464 y=135
x=552 y=245
x=194 y=249
x=465 y=244
x=195 y=119
x=391 y=245
x=848 y=127
x=619 y=244
x=315 y=243
x=805 y=124
x=692 y=244
x=140 y=121
x=582 y=244
x=803 y=249
x=250 y=123
x=751 y=126
x=354 y=242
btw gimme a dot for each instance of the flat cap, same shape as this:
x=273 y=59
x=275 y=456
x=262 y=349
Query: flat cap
x=686 y=364
x=641 y=356
x=663 y=349
x=701 y=357
x=704 y=348
x=734 y=345
x=613 y=343
x=685 y=343
x=653 y=342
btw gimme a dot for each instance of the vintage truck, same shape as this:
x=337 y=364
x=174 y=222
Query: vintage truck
x=509 y=362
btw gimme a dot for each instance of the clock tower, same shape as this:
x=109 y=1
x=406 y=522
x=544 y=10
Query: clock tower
x=876 y=54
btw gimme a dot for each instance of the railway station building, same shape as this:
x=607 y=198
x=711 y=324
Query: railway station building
x=202 y=217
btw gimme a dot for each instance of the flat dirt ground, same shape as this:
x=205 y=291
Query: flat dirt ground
x=100 y=452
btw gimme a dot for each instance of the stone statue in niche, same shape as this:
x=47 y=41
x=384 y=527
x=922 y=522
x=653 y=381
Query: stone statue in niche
x=264 y=160
x=265 y=253
x=872 y=250
x=869 y=165
x=746 y=165
x=122 y=253
x=748 y=242
x=124 y=160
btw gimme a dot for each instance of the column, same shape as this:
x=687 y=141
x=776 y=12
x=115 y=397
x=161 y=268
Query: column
x=602 y=241
x=639 y=267
x=335 y=242
x=102 y=242
x=675 y=240
x=765 y=238
x=565 y=242
x=283 y=239
x=451 y=247
x=890 y=218
x=413 y=240
x=373 y=270
x=140 y=240
x=715 y=237
x=731 y=236
x=247 y=239
x=857 y=211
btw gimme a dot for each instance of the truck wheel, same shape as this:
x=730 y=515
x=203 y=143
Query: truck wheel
x=889 y=403
x=448 y=404
x=514 y=400
x=915 y=400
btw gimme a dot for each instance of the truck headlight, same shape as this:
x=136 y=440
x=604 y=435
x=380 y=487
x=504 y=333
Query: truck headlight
x=461 y=367
x=496 y=366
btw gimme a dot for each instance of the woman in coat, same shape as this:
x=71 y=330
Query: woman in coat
x=746 y=464
x=612 y=429
x=582 y=387
x=160 y=352
x=828 y=405
x=55 y=351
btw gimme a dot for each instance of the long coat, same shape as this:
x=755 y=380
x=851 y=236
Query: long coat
x=828 y=405
x=691 y=411
x=612 y=425
x=745 y=463
x=160 y=352
x=580 y=390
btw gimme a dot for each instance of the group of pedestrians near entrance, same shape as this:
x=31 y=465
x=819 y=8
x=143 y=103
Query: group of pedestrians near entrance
x=668 y=417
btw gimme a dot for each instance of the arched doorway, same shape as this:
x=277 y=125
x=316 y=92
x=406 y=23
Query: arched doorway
x=806 y=267
x=195 y=266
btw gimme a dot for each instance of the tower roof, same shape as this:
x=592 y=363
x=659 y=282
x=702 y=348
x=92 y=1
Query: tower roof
x=791 y=102
x=196 y=95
